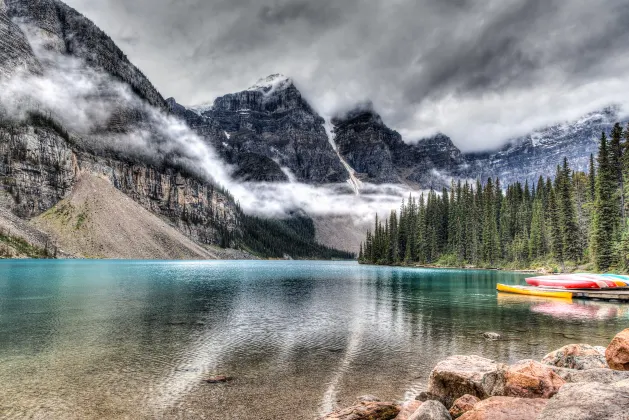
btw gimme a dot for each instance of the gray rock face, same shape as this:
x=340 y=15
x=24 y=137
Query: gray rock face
x=266 y=128
x=15 y=51
x=67 y=31
x=379 y=155
x=38 y=167
x=539 y=153
x=588 y=401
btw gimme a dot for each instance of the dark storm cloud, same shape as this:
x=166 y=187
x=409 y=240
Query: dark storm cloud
x=479 y=71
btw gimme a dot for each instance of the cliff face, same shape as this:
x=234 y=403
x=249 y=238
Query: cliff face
x=63 y=29
x=38 y=168
x=269 y=133
x=40 y=161
x=379 y=155
x=15 y=51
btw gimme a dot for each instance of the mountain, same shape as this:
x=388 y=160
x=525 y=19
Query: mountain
x=118 y=188
x=538 y=153
x=269 y=133
x=379 y=155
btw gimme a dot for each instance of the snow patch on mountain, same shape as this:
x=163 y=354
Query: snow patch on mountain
x=201 y=109
x=271 y=84
x=353 y=181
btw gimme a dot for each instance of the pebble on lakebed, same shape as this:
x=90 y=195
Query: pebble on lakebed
x=476 y=388
x=219 y=379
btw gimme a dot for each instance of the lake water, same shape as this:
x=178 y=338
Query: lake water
x=131 y=339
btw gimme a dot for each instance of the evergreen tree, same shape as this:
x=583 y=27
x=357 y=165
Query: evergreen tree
x=605 y=210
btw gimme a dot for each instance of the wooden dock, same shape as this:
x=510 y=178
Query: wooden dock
x=619 y=294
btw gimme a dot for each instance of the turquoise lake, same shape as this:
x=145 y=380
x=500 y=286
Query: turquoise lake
x=135 y=339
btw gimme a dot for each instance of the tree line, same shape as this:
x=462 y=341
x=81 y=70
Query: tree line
x=575 y=219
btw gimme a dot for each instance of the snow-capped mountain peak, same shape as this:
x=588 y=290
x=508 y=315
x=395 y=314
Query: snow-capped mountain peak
x=271 y=84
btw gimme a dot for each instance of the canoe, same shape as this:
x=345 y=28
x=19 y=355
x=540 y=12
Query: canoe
x=571 y=281
x=522 y=290
x=621 y=281
x=599 y=277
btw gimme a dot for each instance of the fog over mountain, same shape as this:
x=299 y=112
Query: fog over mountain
x=481 y=72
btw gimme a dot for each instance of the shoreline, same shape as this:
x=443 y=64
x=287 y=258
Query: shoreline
x=577 y=381
x=472 y=268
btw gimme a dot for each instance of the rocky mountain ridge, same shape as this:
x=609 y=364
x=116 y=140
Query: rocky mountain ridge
x=526 y=158
x=42 y=162
x=269 y=132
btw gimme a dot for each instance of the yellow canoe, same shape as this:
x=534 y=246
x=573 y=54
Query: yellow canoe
x=533 y=291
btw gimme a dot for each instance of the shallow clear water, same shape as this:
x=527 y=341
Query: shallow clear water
x=130 y=339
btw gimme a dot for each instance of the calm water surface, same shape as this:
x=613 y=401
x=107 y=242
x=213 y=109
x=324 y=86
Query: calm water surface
x=117 y=340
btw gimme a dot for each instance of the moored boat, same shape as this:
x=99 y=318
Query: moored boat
x=572 y=281
x=528 y=291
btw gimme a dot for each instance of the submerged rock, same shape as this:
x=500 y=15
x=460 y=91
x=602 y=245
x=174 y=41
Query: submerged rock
x=463 y=405
x=367 y=398
x=366 y=411
x=431 y=410
x=218 y=379
x=459 y=375
x=588 y=401
x=617 y=353
x=506 y=408
x=577 y=356
x=492 y=336
x=525 y=379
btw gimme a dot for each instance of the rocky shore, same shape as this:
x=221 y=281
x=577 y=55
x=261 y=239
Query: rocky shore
x=577 y=382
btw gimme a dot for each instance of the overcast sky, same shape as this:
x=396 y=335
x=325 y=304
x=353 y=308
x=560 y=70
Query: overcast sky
x=479 y=71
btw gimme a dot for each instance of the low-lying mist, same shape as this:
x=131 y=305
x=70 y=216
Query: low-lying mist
x=86 y=101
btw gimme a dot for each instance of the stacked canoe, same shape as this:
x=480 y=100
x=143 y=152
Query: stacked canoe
x=580 y=281
x=565 y=285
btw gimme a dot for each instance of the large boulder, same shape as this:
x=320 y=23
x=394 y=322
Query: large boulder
x=605 y=376
x=617 y=353
x=431 y=410
x=463 y=405
x=525 y=379
x=577 y=356
x=588 y=401
x=368 y=410
x=506 y=408
x=408 y=409
x=459 y=375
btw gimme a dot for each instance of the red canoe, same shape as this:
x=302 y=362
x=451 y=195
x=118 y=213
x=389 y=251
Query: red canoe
x=571 y=281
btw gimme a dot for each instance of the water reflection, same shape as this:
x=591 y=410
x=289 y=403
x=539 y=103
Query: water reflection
x=566 y=309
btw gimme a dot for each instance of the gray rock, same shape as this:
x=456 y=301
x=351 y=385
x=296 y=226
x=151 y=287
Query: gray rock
x=605 y=376
x=588 y=401
x=431 y=410
x=459 y=375
x=577 y=356
x=492 y=336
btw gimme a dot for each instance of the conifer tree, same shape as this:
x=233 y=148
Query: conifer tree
x=605 y=210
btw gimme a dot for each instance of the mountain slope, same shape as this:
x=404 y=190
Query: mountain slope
x=98 y=221
x=270 y=133
x=539 y=153
x=379 y=155
x=61 y=28
x=50 y=150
